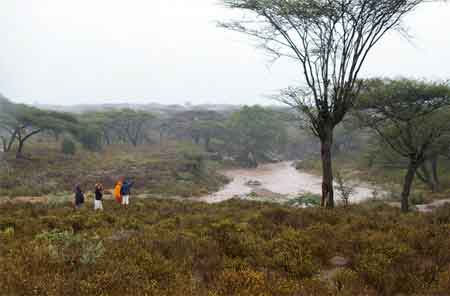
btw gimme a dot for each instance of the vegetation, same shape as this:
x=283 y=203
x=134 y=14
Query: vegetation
x=256 y=132
x=166 y=243
x=410 y=117
x=198 y=125
x=162 y=247
x=181 y=170
x=117 y=126
x=68 y=147
x=331 y=41
x=20 y=123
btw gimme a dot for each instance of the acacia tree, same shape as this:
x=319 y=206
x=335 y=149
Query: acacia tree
x=7 y=123
x=133 y=124
x=253 y=133
x=23 y=122
x=428 y=172
x=411 y=118
x=197 y=125
x=125 y=125
x=331 y=40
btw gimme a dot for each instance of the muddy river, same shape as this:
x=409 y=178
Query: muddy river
x=282 y=179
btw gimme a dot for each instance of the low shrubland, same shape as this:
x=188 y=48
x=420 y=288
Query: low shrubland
x=167 y=247
x=179 y=170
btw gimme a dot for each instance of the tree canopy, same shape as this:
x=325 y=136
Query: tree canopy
x=411 y=117
x=256 y=131
x=330 y=39
x=20 y=122
x=119 y=126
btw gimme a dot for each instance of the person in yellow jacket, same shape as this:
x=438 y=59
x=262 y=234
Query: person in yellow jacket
x=117 y=191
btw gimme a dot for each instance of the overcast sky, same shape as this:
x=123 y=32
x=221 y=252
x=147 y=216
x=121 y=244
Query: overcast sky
x=140 y=51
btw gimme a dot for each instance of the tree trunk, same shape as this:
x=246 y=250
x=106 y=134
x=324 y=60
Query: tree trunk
x=19 y=154
x=327 y=169
x=207 y=142
x=424 y=175
x=22 y=140
x=11 y=141
x=196 y=140
x=409 y=178
x=4 y=147
x=434 y=175
x=428 y=174
x=107 y=139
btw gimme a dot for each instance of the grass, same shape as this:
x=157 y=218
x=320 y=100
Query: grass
x=179 y=170
x=164 y=247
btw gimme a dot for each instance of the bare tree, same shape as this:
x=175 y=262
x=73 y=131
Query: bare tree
x=331 y=40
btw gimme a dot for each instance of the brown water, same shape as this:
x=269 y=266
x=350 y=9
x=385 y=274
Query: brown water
x=281 y=178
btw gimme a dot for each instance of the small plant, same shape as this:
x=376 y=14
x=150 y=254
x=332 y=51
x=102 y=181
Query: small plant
x=417 y=198
x=8 y=232
x=68 y=247
x=91 y=252
x=375 y=194
x=304 y=201
x=344 y=189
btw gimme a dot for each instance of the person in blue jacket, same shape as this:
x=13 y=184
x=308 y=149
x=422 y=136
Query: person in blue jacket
x=126 y=192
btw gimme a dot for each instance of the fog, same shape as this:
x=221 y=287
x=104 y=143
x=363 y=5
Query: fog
x=97 y=51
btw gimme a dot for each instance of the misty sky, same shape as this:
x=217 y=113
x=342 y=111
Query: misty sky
x=171 y=51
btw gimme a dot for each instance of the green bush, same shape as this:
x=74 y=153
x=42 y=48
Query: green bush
x=305 y=200
x=417 y=198
x=68 y=147
x=90 y=138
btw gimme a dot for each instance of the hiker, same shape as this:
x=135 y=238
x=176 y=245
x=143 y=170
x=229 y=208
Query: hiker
x=79 y=197
x=125 y=192
x=118 y=190
x=98 y=202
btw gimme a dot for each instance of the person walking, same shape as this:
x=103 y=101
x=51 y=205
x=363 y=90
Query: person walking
x=79 y=197
x=98 y=202
x=118 y=190
x=126 y=192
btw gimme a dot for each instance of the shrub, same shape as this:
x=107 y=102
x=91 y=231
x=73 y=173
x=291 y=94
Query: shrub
x=91 y=252
x=67 y=247
x=344 y=189
x=417 y=198
x=90 y=139
x=443 y=284
x=245 y=282
x=7 y=232
x=305 y=200
x=68 y=147
x=234 y=248
x=292 y=254
x=388 y=265
x=346 y=279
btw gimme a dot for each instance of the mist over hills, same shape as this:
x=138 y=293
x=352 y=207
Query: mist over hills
x=151 y=107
